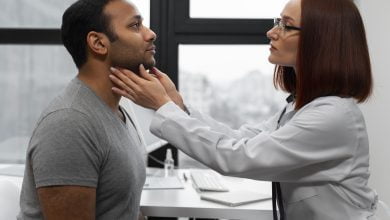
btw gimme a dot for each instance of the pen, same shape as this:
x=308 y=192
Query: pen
x=185 y=177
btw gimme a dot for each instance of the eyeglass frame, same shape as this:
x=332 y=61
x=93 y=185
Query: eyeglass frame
x=278 y=23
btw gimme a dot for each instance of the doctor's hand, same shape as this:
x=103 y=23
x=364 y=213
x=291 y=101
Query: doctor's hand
x=146 y=91
x=169 y=87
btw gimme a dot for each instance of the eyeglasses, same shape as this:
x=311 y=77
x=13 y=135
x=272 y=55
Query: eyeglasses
x=278 y=22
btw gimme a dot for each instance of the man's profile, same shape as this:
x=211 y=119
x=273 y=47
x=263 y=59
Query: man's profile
x=85 y=158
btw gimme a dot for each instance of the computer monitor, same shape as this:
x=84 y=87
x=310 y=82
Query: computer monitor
x=142 y=117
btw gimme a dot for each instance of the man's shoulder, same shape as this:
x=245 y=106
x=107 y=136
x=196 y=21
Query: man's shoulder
x=62 y=119
x=67 y=106
x=72 y=100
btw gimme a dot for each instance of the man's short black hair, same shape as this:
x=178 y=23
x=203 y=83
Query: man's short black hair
x=78 y=20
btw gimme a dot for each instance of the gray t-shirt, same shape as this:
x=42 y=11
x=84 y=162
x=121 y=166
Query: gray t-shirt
x=80 y=141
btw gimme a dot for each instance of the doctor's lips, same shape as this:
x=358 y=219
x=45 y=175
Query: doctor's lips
x=272 y=47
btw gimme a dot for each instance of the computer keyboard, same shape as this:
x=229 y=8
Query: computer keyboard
x=206 y=181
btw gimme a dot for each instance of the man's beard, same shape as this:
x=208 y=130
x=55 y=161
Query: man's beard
x=149 y=65
x=134 y=67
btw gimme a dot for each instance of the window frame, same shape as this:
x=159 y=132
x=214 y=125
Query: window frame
x=31 y=36
x=173 y=25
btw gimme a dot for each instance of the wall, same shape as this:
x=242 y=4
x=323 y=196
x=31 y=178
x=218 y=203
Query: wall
x=376 y=15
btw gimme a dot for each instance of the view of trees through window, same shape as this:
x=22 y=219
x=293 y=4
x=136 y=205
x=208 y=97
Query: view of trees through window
x=231 y=83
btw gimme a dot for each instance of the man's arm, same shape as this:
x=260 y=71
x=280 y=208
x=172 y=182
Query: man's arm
x=67 y=202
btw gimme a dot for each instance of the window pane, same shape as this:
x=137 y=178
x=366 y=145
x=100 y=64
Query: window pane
x=46 y=14
x=36 y=13
x=231 y=83
x=31 y=77
x=236 y=9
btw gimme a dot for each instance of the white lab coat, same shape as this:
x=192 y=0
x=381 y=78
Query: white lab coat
x=320 y=155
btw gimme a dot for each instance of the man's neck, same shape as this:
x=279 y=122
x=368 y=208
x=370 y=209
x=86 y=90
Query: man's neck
x=96 y=78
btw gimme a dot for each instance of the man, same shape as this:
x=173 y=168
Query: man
x=85 y=159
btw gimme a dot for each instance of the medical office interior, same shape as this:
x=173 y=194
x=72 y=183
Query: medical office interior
x=222 y=70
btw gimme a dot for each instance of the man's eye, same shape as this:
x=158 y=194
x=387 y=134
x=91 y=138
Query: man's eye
x=136 y=25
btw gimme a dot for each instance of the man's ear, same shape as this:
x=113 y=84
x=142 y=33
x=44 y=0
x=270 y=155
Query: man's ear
x=98 y=42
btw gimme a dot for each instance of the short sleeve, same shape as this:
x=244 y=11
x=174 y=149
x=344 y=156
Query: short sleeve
x=64 y=150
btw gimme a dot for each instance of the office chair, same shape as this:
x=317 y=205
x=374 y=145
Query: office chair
x=9 y=199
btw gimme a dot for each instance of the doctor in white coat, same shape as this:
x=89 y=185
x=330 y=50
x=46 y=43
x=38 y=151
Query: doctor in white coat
x=316 y=149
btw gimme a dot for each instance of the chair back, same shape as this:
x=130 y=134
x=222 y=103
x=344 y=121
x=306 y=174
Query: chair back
x=9 y=199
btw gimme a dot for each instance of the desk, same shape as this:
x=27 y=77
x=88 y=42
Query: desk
x=16 y=179
x=187 y=203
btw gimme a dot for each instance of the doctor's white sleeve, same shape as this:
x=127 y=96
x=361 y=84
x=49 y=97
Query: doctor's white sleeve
x=247 y=130
x=318 y=144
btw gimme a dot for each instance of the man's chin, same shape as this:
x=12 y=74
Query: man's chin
x=149 y=65
x=135 y=68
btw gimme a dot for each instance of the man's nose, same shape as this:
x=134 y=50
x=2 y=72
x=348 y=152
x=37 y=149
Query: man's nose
x=150 y=35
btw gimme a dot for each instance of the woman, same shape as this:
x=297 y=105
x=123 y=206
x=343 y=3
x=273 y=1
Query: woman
x=316 y=149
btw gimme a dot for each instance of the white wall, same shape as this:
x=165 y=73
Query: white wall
x=376 y=15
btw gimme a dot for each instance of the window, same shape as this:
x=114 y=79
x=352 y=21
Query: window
x=231 y=83
x=236 y=9
x=32 y=14
x=46 y=14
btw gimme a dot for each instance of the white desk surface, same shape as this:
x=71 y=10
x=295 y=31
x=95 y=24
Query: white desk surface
x=187 y=203
x=17 y=180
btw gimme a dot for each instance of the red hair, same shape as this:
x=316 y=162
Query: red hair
x=332 y=58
